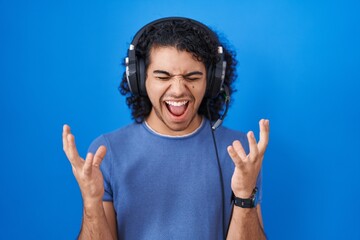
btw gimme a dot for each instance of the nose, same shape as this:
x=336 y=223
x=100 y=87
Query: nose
x=178 y=86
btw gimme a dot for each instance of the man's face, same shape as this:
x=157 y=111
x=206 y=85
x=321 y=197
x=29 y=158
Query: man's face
x=176 y=85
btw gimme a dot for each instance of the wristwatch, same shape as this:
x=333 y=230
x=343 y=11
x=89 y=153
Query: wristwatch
x=246 y=202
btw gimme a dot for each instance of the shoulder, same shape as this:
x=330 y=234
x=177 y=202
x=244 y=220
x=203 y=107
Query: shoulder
x=227 y=133
x=115 y=137
x=226 y=136
x=123 y=133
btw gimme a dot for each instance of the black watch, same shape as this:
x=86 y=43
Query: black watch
x=246 y=202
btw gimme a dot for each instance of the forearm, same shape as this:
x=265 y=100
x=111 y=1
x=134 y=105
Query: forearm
x=95 y=225
x=245 y=224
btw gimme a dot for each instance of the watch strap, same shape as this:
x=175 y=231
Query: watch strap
x=246 y=202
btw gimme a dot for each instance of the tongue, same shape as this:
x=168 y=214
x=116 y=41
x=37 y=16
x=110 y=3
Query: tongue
x=177 y=110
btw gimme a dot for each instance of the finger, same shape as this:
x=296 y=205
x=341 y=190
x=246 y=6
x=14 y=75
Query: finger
x=88 y=163
x=66 y=130
x=99 y=156
x=239 y=149
x=264 y=135
x=234 y=156
x=72 y=152
x=252 y=146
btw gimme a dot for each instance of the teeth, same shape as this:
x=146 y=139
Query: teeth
x=176 y=104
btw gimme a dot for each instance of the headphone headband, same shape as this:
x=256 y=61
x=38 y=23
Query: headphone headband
x=139 y=33
x=135 y=65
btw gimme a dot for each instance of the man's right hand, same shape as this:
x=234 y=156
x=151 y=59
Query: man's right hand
x=87 y=172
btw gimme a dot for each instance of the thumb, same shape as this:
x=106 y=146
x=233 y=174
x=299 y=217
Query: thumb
x=99 y=156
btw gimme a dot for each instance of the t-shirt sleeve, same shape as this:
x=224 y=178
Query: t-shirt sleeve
x=105 y=167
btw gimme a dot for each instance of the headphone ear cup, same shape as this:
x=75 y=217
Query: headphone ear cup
x=214 y=81
x=209 y=81
x=131 y=73
x=141 y=77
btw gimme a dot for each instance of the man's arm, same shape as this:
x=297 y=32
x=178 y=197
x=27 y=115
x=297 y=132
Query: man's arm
x=98 y=218
x=98 y=223
x=246 y=223
x=111 y=217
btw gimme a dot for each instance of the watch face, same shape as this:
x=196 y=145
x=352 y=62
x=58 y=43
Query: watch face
x=253 y=199
x=254 y=196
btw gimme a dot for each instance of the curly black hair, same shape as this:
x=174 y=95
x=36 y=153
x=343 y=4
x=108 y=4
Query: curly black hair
x=185 y=36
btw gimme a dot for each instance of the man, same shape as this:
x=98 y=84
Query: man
x=170 y=175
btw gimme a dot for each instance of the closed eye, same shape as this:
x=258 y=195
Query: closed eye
x=163 y=78
x=164 y=75
x=191 y=78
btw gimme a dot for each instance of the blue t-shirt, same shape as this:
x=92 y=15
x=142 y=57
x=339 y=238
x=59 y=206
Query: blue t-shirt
x=165 y=187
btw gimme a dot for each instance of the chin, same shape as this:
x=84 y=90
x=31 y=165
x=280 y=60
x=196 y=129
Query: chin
x=182 y=127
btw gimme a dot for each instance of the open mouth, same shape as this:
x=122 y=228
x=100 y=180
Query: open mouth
x=177 y=108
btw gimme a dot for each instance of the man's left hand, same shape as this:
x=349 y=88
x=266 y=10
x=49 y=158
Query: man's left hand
x=247 y=167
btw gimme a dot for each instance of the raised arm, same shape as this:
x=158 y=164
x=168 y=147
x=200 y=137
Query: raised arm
x=246 y=223
x=98 y=218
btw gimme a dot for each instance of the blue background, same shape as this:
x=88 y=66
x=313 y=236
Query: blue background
x=60 y=62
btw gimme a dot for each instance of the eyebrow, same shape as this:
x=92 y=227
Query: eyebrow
x=161 y=72
x=185 y=75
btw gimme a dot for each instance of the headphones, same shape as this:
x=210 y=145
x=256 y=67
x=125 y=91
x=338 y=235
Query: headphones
x=136 y=69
